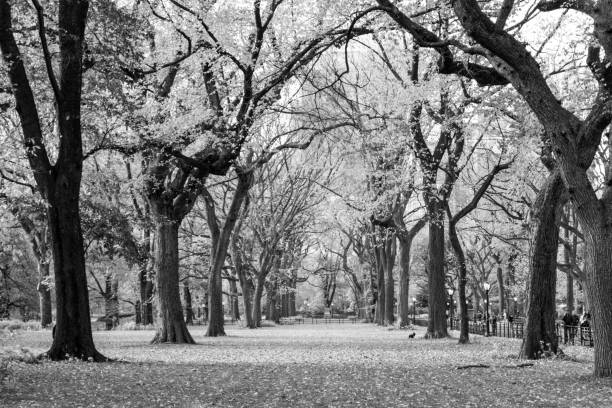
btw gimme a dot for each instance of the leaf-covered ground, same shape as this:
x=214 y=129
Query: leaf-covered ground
x=301 y=366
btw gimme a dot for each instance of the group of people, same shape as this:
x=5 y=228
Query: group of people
x=572 y=324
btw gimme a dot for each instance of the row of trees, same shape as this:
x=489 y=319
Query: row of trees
x=206 y=91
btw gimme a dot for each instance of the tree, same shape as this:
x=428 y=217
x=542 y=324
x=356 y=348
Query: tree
x=458 y=250
x=574 y=141
x=58 y=183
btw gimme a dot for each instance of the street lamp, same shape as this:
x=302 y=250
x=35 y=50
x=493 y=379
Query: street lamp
x=450 y=305
x=515 y=307
x=486 y=287
x=332 y=309
x=413 y=310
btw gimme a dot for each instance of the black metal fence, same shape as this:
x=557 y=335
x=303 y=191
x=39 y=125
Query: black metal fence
x=574 y=335
x=318 y=320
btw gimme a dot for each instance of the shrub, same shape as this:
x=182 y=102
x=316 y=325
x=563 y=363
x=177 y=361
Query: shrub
x=13 y=325
x=131 y=325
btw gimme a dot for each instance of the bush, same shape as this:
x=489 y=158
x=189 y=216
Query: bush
x=13 y=325
x=22 y=355
x=131 y=325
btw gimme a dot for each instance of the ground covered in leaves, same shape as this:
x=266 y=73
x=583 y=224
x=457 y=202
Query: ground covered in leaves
x=299 y=366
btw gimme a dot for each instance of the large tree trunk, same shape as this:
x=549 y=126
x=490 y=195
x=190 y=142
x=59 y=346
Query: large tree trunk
x=569 y=257
x=259 y=287
x=246 y=285
x=188 y=305
x=380 y=288
x=73 y=337
x=221 y=246
x=404 y=282
x=464 y=334
x=146 y=297
x=173 y=328
x=235 y=304
x=59 y=184
x=502 y=289
x=247 y=302
x=598 y=267
x=44 y=295
x=145 y=281
x=291 y=296
x=389 y=262
x=436 y=326
x=540 y=323
x=111 y=301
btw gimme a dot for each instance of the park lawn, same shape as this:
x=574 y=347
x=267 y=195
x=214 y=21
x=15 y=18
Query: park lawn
x=301 y=366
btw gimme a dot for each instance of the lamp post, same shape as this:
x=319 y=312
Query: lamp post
x=450 y=305
x=515 y=306
x=413 y=310
x=486 y=287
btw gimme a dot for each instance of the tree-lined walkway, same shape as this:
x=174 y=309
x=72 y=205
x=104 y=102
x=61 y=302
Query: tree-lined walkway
x=302 y=365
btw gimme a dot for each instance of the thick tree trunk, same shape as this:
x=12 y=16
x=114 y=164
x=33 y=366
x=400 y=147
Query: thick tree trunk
x=44 y=295
x=188 y=305
x=146 y=297
x=291 y=295
x=389 y=262
x=173 y=328
x=464 y=334
x=540 y=322
x=502 y=289
x=145 y=281
x=259 y=287
x=380 y=286
x=235 y=304
x=138 y=312
x=389 y=297
x=245 y=285
x=436 y=326
x=73 y=337
x=111 y=301
x=598 y=267
x=404 y=282
x=569 y=258
x=215 y=293
x=476 y=299
x=247 y=302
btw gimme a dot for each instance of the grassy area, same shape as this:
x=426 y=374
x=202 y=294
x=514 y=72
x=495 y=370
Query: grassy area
x=301 y=366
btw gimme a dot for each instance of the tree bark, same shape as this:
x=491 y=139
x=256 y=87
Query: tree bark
x=598 y=261
x=44 y=295
x=502 y=289
x=540 y=315
x=259 y=287
x=246 y=285
x=188 y=305
x=436 y=326
x=59 y=184
x=380 y=288
x=405 y=242
x=234 y=299
x=464 y=333
x=73 y=335
x=220 y=249
x=144 y=279
x=389 y=262
x=111 y=301
x=173 y=328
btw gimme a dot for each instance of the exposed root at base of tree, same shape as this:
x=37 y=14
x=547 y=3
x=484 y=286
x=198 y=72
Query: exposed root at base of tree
x=522 y=365
x=55 y=355
x=463 y=367
x=436 y=335
x=161 y=339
